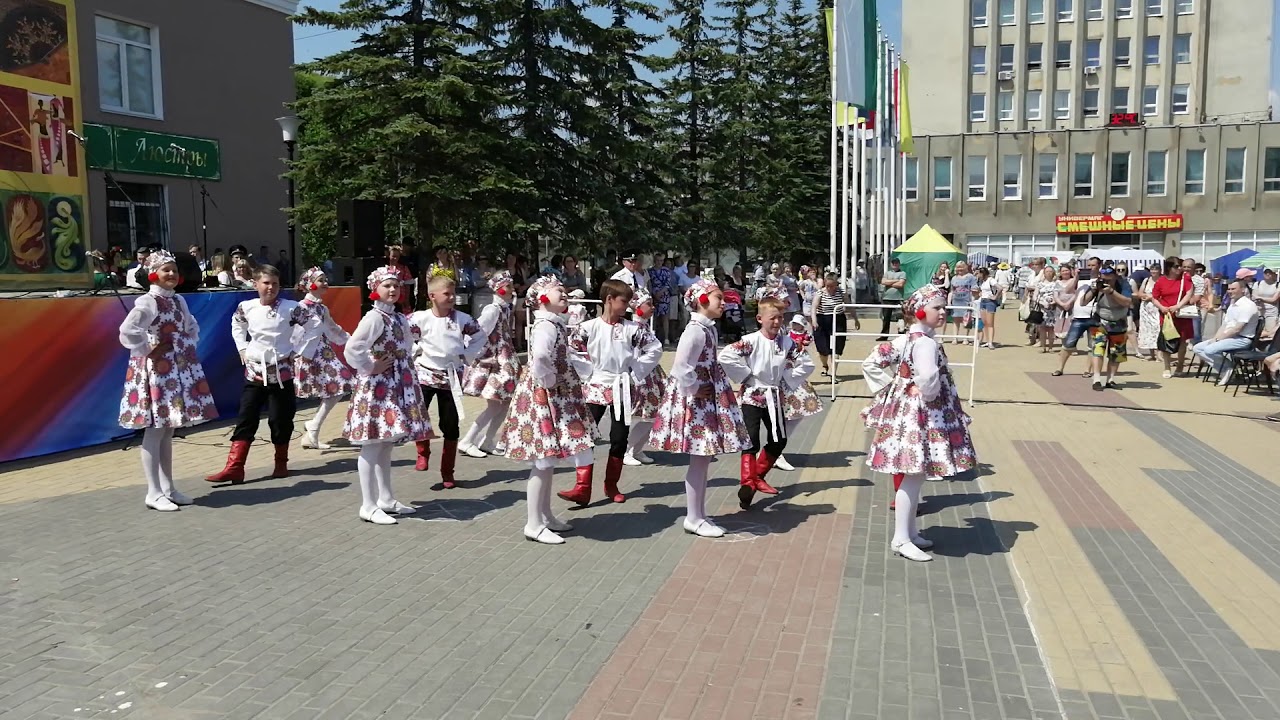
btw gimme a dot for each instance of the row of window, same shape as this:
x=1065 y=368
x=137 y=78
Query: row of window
x=1122 y=47
x=1065 y=10
x=1082 y=176
x=1033 y=103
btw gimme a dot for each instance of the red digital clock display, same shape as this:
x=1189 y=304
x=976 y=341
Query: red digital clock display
x=1125 y=120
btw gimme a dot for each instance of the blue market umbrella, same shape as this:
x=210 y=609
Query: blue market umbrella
x=1228 y=264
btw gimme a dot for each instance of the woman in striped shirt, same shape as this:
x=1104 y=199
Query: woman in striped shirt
x=828 y=299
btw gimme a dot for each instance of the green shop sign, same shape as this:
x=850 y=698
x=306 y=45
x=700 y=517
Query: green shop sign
x=122 y=149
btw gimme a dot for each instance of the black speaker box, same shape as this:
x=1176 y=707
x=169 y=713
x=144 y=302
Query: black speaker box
x=361 y=228
x=189 y=269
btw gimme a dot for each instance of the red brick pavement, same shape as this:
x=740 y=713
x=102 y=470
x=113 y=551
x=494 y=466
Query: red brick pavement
x=740 y=630
x=1080 y=501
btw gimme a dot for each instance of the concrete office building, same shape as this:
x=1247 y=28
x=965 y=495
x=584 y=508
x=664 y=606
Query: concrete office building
x=1059 y=125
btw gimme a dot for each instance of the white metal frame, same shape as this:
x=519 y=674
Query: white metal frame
x=157 y=84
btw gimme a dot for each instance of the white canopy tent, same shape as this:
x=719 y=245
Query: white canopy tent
x=1132 y=257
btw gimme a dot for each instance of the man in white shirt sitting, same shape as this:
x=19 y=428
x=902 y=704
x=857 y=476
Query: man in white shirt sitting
x=1239 y=330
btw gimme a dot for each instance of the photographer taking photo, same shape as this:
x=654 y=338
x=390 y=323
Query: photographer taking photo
x=1109 y=338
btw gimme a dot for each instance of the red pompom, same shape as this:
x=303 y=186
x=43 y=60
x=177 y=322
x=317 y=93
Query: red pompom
x=639 y=312
x=543 y=299
x=153 y=277
x=920 y=314
x=374 y=296
x=703 y=299
x=313 y=286
x=502 y=291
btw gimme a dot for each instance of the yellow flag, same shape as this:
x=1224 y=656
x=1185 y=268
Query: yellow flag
x=905 y=142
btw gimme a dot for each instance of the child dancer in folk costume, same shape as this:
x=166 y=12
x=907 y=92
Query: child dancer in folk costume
x=164 y=385
x=879 y=369
x=386 y=403
x=494 y=374
x=613 y=356
x=799 y=402
x=318 y=371
x=699 y=415
x=651 y=388
x=768 y=364
x=918 y=427
x=447 y=340
x=263 y=333
x=548 y=422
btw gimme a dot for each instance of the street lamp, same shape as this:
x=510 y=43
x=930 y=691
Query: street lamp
x=289 y=132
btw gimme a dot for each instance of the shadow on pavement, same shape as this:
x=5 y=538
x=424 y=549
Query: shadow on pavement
x=650 y=521
x=229 y=495
x=983 y=536
x=938 y=503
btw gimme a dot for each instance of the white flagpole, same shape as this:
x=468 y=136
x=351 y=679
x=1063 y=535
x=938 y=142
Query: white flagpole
x=835 y=139
x=879 y=170
x=892 y=235
x=902 y=158
x=844 y=200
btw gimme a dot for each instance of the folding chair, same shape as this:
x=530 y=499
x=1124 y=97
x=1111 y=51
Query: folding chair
x=1248 y=364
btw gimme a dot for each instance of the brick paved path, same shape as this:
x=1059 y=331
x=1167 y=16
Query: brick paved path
x=1100 y=565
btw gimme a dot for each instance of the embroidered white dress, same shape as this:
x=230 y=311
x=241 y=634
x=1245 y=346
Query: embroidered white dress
x=494 y=374
x=691 y=425
x=318 y=371
x=170 y=391
x=386 y=407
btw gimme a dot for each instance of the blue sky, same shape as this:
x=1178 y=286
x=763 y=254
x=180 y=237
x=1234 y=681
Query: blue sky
x=310 y=43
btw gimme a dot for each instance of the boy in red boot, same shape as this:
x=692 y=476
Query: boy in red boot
x=768 y=364
x=263 y=332
x=613 y=356
x=446 y=342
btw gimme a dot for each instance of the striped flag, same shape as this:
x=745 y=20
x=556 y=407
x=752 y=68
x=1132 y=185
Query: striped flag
x=855 y=45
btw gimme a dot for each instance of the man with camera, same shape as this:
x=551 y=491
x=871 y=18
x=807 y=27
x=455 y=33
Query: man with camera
x=1111 y=296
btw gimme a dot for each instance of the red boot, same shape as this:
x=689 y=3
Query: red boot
x=234 y=471
x=580 y=495
x=764 y=464
x=447 y=461
x=424 y=454
x=282 y=462
x=897 y=483
x=612 y=473
x=747 y=481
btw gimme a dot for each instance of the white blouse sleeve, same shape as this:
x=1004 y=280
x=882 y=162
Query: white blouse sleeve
x=333 y=330
x=799 y=368
x=542 y=350
x=360 y=344
x=190 y=326
x=734 y=359
x=240 y=328
x=476 y=339
x=579 y=353
x=650 y=353
x=683 y=366
x=488 y=319
x=133 y=331
x=924 y=356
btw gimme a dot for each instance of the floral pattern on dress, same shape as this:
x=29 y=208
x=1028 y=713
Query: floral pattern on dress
x=171 y=391
x=549 y=422
x=323 y=374
x=687 y=424
x=388 y=407
x=494 y=374
x=651 y=390
x=911 y=435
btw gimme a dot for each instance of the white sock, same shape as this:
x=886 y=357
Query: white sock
x=368 y=460
x=539 y=485
x=904 y=513
x=638 y=436
x=152 y=440
x=382 y=474
x=485 y=421
x=490 y=436
x=326 y=406
x=695 y=488
x=166 y=462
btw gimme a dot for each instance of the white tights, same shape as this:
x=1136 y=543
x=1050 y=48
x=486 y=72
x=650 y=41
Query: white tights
x=326 y=406
x=157 y=462
x=695 y=488
x=638 y=436
x=538 y=500
x=486 y=424
x=904 y=515
x=374 y=465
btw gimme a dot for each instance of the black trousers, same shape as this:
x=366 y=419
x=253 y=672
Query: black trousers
x=281 y=405
x=887 y=316
x=618 y=430
x=447 y=411
x=757 y=418
x=823 y=332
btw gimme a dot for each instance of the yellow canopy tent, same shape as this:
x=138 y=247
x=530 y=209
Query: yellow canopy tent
x=921 y=255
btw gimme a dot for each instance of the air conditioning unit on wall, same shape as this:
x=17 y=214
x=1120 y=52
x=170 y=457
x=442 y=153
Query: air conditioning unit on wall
x=1091 y=70
x=1004 y=75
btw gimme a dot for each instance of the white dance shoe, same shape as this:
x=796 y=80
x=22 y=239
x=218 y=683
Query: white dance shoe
x=395 y=507
x=911 y=552
x=376 y=516
x=631 y=460
x=782 y=464
x=311 y=440
x=543 y=535
x=162 y=504
x=472 y=451
x=703 y=528
x=178 y=498
x=644 y=458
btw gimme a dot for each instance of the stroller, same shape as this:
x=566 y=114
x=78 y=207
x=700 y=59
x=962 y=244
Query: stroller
x=731 y=325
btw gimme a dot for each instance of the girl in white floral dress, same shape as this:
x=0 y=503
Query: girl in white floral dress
x=917 y=425
x=386 y=403
x=164 y=385
x=317 y=369
x=493 y=375
x=548 y=423
x=651 y=388
x=699 y=415
x=801 y=402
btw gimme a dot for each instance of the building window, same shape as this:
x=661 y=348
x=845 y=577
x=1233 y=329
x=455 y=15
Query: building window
x=1093 y=53
x=1090 y=103
x=1181 y=99
x=1193 y=181
x=1033 y=105
x=1062 y=104
x=976 y=171
x=1155 y=8
x=1233 y=172
x=1035 y=11
x=911 y=181
x=1047 y=176
x=1120 y=100
x=1120 y=174
x=1150 y=100
x=1005 y=100
x=1008 y=15
x=1215 y=244
x=1035 y=56
x=979 y=8
x=128 y=68
x=1122 y=51
x=1271 y=170
x=1006 y=57
x=978 y=60
x=1063 y=58
x=1157 y=172
x=1151 y=50
x=1182 y=48
x=1093 y=10
x=977 y=107
x=1083 y=186
x=1012 y=177
x=1066 y=10
x=1185 y=7
x=137 y=216
x=1124 y=9
x=942 y=178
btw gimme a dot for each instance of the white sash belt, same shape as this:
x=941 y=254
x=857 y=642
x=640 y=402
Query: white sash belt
x=268 y=358
x=622 y=397
x=455 y=388
x=773 y=405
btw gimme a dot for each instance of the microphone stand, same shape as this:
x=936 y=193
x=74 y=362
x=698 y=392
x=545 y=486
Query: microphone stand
x=206 y=197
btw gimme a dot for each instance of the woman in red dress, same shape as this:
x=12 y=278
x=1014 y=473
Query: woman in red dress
x=1171 y=293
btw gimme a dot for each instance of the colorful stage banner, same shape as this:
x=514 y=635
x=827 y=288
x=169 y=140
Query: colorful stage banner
x=43 y=185
x=65 y=366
